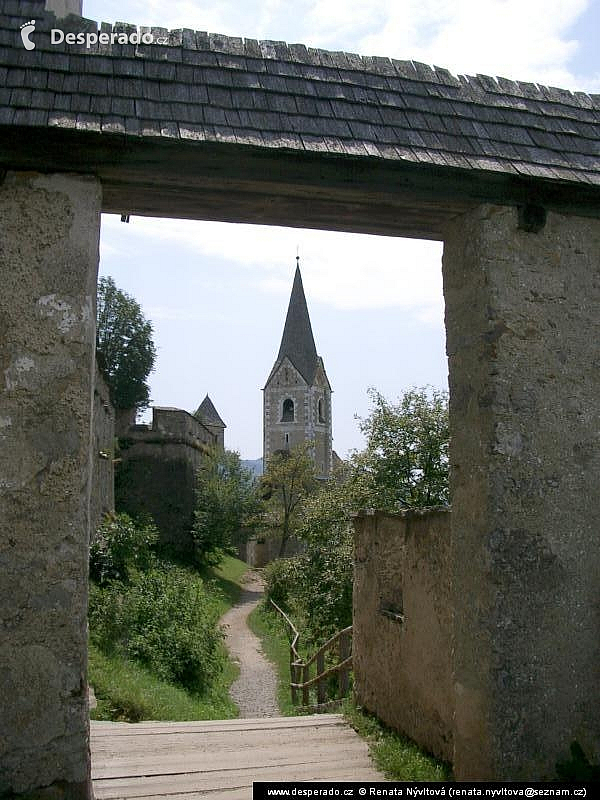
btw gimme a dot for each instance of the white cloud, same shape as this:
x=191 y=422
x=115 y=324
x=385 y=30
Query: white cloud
x=347 y=271
x=164 y=313
x=522 y=39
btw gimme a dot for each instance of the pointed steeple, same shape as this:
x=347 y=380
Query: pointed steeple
x=297 y=402
x=297 y=342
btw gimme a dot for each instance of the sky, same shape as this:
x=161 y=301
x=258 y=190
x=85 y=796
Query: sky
x=217 y=293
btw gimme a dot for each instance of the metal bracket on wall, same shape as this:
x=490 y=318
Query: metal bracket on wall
x=391 y=613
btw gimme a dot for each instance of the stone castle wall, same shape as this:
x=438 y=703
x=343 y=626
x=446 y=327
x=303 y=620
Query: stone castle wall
x=157 y=475
x=402 y=624
x=522 y=340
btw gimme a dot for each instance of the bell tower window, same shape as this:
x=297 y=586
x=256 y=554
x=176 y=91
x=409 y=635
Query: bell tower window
x=287 y=412
x=321 y=411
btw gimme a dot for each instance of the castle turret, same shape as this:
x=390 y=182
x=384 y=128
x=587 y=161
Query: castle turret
x=209 y=417
x=297 y=394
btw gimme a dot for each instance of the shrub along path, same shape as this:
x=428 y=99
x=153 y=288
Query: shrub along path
x=255 y=690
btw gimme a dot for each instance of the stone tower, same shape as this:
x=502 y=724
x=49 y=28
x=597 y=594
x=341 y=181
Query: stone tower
x=297 y=395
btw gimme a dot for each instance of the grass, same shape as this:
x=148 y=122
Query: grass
x=126 y=691
x=395 y=755
x=227 y=578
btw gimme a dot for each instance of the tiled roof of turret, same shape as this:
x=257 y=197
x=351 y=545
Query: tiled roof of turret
x=207 y=413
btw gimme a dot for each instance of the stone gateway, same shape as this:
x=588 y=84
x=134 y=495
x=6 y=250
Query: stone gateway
x=507 y=174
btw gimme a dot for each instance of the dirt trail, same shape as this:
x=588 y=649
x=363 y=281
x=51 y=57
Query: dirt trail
x=255 y=689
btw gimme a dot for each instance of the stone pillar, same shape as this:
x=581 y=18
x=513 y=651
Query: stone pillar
x=523 y=339
x=49 y=229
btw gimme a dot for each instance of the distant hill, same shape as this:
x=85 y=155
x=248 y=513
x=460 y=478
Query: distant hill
x=256 y=466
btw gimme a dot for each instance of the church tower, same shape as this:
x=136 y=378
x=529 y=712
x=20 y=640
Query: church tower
x=297 y=395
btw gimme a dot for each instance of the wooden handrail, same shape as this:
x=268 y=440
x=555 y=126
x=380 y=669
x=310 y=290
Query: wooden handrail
x=300 y=680
x=292 y=626
x=331 y=671
x=328 y=644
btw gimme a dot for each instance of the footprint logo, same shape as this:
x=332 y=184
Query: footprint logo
x=26 y=30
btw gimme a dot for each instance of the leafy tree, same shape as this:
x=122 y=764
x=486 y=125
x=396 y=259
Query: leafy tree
x=121 y=548
x=124 y=347
x=226 y=502
x=405 y=462
x=288 y=480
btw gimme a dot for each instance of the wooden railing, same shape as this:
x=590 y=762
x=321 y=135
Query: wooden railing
x=337 y=649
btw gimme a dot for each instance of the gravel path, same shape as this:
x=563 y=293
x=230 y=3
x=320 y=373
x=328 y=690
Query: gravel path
x=255 y=689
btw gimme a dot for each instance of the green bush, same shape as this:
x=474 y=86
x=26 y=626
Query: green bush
x=315 y=589
x=280 y=580
x=323 y=590
x=121 y=548
x=164 y=619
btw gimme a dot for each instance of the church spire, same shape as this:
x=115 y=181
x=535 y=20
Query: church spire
x=297 y=394
x=297 y=342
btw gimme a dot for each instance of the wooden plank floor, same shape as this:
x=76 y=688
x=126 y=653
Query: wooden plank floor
x=220 y=759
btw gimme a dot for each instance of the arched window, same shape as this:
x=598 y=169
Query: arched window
x=287 y=412
x=321 y=410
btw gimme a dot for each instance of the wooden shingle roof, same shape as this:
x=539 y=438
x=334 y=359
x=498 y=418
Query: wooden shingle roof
x=201 y=88
x=204 y=86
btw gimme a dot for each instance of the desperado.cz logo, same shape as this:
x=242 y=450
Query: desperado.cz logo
x=89 y=39
x=26 y=30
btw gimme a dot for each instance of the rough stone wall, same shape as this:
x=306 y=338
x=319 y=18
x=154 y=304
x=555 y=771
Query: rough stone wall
x=157 y=475
x=124 y=419
x=175 y=423
x=523 y=329
x=321 y=427
x=218 y=434
x=286 y=383
x=260 y=552
x=402 y=624
x=49 y=231
x=103 y=476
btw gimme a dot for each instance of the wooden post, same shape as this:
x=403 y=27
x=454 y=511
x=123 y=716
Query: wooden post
x=344 y=651
x=293 y=678
x=321 y=685
x=305 y=689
